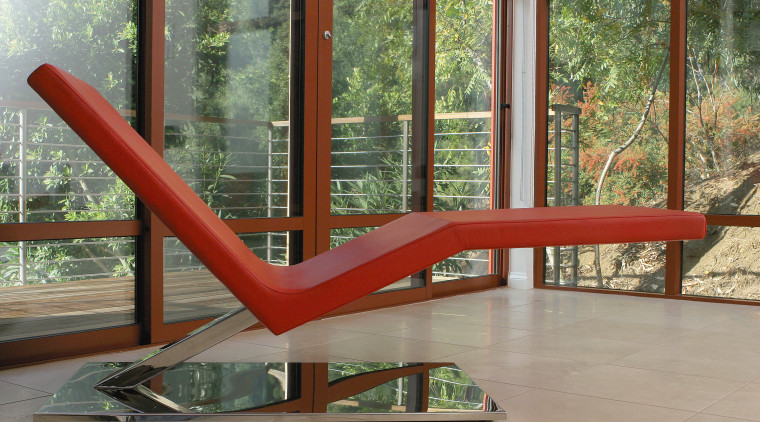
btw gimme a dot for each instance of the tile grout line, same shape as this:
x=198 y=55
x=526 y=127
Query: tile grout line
x=619 y=401
x=679 y=373
x=16 y=402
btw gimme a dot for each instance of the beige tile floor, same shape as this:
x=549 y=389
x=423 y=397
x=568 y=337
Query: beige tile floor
x=543 y=355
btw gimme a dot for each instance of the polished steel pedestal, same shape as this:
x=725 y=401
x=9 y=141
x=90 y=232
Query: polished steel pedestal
x=350 y=391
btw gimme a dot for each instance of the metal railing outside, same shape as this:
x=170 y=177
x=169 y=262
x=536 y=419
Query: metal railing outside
x=563 y=153
x=27 y=157
x=462 y=163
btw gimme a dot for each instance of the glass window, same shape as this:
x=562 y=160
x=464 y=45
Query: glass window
x=192 y=292
x=722 y=112
x=371 y=106
x=46 y=172
x=627 y=266
x=227 y=83
x=463 y=265
x=607 y=128
x=463 y=105
x=723 y=264
x=464 y=85
x=57 y=286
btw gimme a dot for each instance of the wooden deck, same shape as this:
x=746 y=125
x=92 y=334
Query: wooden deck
x=45 y=309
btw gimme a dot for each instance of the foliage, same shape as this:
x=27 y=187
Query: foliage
x=230 y=59
x=98 y=36
x=63 y=180
x=722 y=88
x=451 y=387
x=463 y=55
x=226 y=60
x=448 y=388
x=604 y=55
x=372 y=70
x=372 y=76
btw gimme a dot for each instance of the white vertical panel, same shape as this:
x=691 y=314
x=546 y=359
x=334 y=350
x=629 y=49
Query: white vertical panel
x=523 y=130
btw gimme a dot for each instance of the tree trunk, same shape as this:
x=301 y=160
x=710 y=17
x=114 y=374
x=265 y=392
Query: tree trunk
x=620 y=149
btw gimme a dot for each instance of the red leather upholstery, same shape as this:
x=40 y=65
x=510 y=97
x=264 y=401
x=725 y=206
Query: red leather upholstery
x=286 y=297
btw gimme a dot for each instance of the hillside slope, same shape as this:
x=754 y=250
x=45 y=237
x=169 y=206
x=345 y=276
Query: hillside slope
x=724 y=264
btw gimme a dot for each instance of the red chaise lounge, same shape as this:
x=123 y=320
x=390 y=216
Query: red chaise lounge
x=285 y=297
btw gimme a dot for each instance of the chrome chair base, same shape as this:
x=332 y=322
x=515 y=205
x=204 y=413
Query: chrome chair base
x=195 y=342
x=163 y=386
x=272 y=391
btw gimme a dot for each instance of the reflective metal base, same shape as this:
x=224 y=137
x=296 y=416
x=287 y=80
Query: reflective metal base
x=350 y=391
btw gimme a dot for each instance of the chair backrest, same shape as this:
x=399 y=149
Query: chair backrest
x=153 y=181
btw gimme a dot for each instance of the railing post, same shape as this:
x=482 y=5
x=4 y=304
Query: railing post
x=561 y=112
x=557 y=158
x=270 y=172
x=405 y=165
x=576 y=158
x=23 y=135
x=557 y=187
x=400 y=392
x=576 y=169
